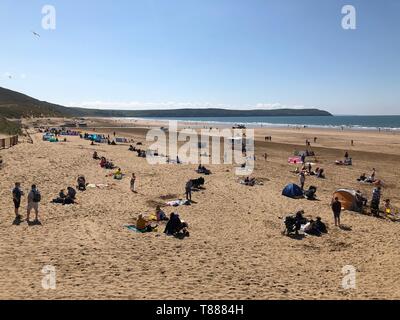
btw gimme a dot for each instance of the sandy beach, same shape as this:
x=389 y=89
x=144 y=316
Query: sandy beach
x=236 y=249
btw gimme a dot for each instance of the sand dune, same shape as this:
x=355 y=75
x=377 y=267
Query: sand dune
x=236 y=249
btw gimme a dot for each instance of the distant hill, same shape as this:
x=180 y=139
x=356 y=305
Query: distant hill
x=17 y=105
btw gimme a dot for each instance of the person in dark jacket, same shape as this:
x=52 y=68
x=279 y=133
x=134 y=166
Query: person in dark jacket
x=337 y=209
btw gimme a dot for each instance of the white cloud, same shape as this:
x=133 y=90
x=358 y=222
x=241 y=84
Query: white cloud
x=137 y=105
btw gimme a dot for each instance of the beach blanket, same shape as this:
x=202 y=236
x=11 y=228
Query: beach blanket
x=177 y=203
x=134 y=229
x=294 y=160
x=100 y=185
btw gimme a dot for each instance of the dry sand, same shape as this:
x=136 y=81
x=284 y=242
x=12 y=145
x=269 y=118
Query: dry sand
x=235 y=249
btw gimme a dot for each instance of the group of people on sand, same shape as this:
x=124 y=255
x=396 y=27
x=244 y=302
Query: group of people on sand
x=69 y=197
x=104 y=163
x=369 y=179
x=294 y=223
x=348 y=161
x=33 y=200
x=66 y=198
x=174 y=227
x=308 y=171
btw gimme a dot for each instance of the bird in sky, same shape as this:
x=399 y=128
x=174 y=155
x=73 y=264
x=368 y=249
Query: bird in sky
x=35 y=34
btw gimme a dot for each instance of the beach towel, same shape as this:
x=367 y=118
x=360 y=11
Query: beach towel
x=100 y=185
x=177 y=203
x=134 y=229
x=294 y=160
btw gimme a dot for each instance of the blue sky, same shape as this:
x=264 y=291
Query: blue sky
x=131 y=54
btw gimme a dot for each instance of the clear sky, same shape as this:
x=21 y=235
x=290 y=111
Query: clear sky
x=141 y=54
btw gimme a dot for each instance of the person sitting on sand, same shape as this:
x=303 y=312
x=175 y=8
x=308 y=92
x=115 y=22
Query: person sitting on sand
x=160 y=214
x=371 y=178
x=311 y=229
x=95 y=156
x=131 y=148
x=143 y=225
x=321 y=226
x=81 y=181
x=362 y=178
x=299 y=220
x=71 y=192
x=103 y=162
x=250 y=181
x=388 y=207
x=176 y=227
x=62 y=194
x=118 y=174
x=361 y=200
x=320 y=173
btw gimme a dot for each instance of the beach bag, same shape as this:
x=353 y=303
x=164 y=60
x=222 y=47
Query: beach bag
x=36 y=196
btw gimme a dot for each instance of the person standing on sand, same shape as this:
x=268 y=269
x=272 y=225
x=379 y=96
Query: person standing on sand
x=17 y=194
x=302 y=180
x=34 y=198
x=133 y=180
x=337 y=209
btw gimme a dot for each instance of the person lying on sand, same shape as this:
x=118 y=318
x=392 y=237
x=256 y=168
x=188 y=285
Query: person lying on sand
x=203 y=170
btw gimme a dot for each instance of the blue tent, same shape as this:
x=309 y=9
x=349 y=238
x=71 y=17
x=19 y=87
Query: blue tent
x=293 y=191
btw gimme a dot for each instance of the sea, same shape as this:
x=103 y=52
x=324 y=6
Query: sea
x=387 y=123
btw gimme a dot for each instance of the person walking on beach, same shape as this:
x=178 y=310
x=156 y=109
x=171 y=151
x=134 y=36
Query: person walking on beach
x=302 y=180
x=337 y=209
x=133 y=180
x=17 y=194
x=34 y=198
